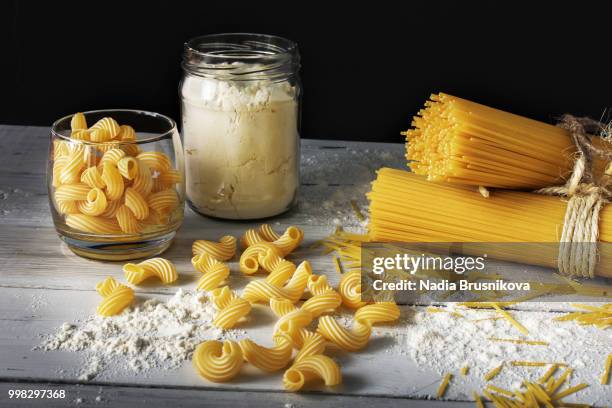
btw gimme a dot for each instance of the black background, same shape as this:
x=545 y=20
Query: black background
x=366 y=69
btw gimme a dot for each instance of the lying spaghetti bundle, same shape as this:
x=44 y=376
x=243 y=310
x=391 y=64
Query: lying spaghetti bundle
x=407 y=208
x=463 y=142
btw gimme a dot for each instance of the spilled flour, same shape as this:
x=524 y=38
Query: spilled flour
x=334 y=176
x=154 y=334
x=443 y=343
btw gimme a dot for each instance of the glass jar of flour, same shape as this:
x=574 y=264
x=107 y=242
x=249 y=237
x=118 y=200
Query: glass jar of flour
x=240 y=97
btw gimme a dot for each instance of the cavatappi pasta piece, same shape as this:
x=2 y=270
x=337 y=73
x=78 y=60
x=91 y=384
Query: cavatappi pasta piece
x=318 y=285
x=127 y=221
x=155 y=219
x=74 y=148
x=111 y=209
x=143 y=182
x=128 y=167
x=68 y=207
x=296 y=336
x=95 y=204
x=94 y=225
x=126 y=133
x=170 y=178
x=293 y=321
x=291 y=239
x=250 y=237
x=163 y=202
x=71 y=171
x=310 y=368
x=263 y=291
x=90 y=156
x=253 y=236
x=325 y=302
x=109 y=124
x=80 y=134
x=281 y=272
x=113 y=180
x=112 y=156
x=286 y=243
x=136 y=203
x=350 y=290
x=268 y=258
x=215 y=272
x=116 y=297
x=268 y=359
x=58 y=165
x=267 y=233
x=72 y=192
x=131 y=149
x=248 y=265
x=281 y=306
x=78 y=121
x=349 y=340
x=231 y=308
x=108 y=145
x=60 y=148
x=216 y=361
x=92 y=177
x=99 y=135
x=158 y=185
x=160 y=267
x=377 y=313
x=224 y=250
x=312 y=344
x=250 y=259
x=157 y=161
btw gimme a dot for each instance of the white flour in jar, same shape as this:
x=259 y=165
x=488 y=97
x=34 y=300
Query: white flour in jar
x=240 y=140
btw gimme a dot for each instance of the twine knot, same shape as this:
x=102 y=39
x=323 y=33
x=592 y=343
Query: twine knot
x=586 y=197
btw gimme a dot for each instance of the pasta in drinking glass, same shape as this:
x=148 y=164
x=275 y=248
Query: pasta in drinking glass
x=116 y=193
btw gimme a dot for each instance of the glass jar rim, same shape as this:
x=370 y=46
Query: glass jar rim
x=241 y=56
x=221 y=43
x=172 y=128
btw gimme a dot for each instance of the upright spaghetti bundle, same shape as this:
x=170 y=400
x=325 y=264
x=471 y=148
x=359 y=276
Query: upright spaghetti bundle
x=405 y=207
x=463 y=142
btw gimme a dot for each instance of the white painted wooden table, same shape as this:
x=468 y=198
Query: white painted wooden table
x=42 y=285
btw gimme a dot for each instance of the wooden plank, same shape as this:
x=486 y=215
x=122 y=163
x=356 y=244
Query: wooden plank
x=25 y=314
x=384 y=368
x=50 y=264
x=129 y=397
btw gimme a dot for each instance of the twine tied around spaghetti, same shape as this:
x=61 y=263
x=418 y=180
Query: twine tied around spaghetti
x=586 y=197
